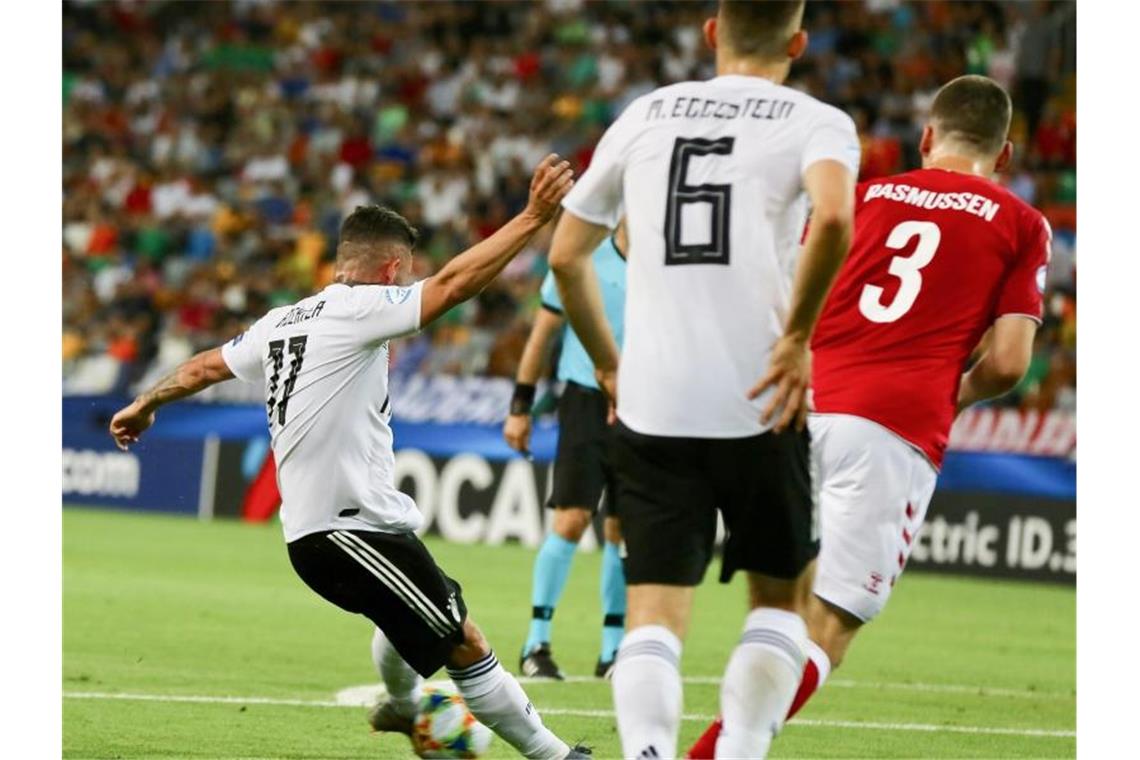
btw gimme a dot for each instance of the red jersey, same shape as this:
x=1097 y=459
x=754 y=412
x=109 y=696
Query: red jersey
x=936 y=257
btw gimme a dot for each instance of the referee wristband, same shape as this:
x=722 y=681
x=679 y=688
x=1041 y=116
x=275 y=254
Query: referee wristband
x=523 y=398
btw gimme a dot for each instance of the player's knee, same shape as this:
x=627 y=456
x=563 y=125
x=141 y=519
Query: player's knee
x=611 y=529
x=473 y=648
x=657 y=604
x=571 y=523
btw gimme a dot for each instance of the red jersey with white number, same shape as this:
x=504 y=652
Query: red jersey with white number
x=936 y=257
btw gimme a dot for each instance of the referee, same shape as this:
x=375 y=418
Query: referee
x=581 y=468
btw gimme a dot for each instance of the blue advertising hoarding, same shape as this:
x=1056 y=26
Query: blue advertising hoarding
x=999 y=514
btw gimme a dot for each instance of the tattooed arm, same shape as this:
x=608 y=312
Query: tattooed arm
x=196 y=373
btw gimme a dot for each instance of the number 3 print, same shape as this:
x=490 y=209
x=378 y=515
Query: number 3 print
x=907 y=268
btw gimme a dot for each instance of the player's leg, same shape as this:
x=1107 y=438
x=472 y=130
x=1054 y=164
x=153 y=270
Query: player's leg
x=393 y=580
x=830 y=633
x=817 y=666
x=613 y=596
x=492 y=694
x=579 y=479
x=875 y=489
x=669 y=525
x=390 y=579
x=769 y=513
x=497 y=700
x=551 y=569
x=764 y=670
x=647 y=674
x=873 y=494
x=403 y=685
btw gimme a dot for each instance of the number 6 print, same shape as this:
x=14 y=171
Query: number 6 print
x=717 y=197
x=907 y=268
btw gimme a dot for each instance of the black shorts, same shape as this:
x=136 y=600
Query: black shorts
x=670 y=489
x=392 y=580
x=581 y=467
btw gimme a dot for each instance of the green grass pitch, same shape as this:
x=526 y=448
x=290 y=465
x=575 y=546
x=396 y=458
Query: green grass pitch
x=188 y=639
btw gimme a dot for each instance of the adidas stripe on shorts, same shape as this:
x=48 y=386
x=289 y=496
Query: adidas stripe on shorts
x=391 y=579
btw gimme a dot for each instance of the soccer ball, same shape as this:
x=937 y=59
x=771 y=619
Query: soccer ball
x=445 y=728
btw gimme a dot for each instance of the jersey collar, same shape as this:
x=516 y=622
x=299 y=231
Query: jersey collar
x=740 y=79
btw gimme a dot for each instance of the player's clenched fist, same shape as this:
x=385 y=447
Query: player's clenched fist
x=552 y=180
x=129 y=423
x=516 y=432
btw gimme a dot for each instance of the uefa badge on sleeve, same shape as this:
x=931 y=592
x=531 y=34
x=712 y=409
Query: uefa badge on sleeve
x=397 y=296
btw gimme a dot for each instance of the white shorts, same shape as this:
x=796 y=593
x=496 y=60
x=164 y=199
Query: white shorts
x=874 y=489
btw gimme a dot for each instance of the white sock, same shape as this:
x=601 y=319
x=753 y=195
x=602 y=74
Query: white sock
x=404 y=684
x=496 y=699
x=760 y=681
x=647 y=692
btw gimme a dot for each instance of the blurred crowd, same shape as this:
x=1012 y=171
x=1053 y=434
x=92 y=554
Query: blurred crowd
x=211 y=149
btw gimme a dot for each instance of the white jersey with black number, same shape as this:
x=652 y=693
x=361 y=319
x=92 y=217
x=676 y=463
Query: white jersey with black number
x=324 y=365
x=710 y=175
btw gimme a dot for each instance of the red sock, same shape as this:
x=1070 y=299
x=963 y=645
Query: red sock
x=808 y=686
x=705 y=747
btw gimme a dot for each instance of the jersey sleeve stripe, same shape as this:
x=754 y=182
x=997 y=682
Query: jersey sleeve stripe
x=1033 y=317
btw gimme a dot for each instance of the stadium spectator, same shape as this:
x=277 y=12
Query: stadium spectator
x=210 y=150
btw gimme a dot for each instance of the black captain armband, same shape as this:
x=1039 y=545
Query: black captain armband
x=523 y=398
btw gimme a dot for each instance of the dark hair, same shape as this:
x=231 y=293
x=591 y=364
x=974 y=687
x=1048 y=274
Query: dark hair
x=377 y=224
x=973 y=110
x=757 y=28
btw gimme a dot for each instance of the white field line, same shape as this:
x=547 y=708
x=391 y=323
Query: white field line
x=845 y=724
x=842 y=683
x=201 y=699
x=949 y=688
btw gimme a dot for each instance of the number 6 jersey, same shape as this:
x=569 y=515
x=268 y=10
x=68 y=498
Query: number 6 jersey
x=935 y=258
x=710 y=178
x=324 y=365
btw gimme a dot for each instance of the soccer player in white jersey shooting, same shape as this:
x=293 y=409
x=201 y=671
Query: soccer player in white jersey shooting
x=323 y=363
x=715 y=178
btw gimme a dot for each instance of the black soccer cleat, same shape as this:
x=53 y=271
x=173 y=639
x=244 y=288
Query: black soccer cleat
x=604 y=668
x=580 y=752
x=539 y=664
x=383 y=717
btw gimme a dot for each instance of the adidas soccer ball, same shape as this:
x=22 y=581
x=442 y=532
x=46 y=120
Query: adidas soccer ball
x=445 y=728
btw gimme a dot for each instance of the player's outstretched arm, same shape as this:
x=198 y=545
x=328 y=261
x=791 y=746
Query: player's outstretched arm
x=1003 y=364
x=193 y=375
x=516 y=429
x=468 y=273
x=570 y=257
x=831 y=187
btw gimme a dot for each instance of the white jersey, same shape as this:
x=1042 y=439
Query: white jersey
x=710 y=176
x=324 y=365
